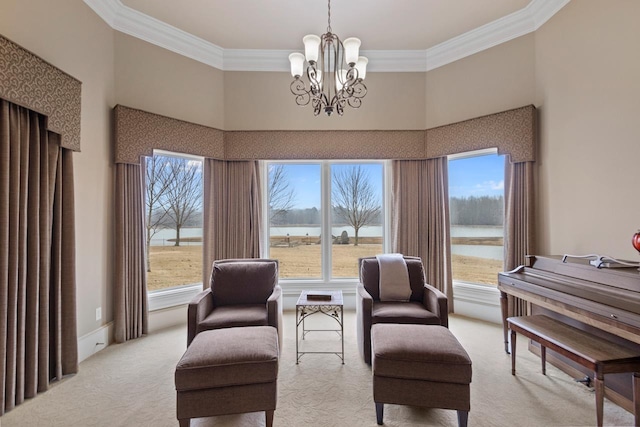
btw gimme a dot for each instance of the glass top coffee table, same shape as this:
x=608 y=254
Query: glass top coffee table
x=330 y=304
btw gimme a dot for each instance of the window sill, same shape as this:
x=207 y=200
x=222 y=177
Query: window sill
x=172 y=297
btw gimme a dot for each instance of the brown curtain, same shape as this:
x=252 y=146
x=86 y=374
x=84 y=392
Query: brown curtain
x=420 y=218
x=38 y=336
x=130 y=288
x=519 y=219
x=232 y=212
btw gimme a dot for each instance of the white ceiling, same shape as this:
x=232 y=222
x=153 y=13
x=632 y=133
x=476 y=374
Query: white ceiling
x=397 y=35
x=281 y=24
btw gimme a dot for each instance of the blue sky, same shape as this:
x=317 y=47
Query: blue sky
x=473 y=176
x=476 y=176
x=305 y=181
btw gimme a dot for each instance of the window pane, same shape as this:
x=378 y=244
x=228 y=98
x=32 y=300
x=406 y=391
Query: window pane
x=295 y=218
x=173 y=212
x=476 y=200
x=356 y=217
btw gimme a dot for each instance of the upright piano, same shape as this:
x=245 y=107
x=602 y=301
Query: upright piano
x=603 y=300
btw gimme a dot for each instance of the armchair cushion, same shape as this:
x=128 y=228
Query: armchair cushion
x=370 y=277
x=231 y=316
x=260 y=276
x=402 y=312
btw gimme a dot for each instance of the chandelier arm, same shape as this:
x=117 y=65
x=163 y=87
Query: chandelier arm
x=299 y=89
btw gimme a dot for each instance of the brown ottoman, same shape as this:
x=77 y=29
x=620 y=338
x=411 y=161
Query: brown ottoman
x=228 y=371
x=420 y=365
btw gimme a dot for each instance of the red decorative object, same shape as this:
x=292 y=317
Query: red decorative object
x=636 y=241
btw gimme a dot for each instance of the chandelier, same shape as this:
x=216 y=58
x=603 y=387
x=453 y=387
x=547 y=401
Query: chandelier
x=334 y=71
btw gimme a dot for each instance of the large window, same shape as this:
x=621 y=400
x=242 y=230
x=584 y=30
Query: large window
x=173 y=215
x=476 y=201
x=323 y=216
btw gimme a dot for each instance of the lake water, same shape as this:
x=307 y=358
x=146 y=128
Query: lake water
x=492 y=252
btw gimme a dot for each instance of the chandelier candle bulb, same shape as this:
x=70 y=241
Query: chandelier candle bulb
x=351 y=50
x=361 y=66
x=311 y=47
x=297 y=64
x=341 y=79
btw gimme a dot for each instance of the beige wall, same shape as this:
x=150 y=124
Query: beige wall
x=69 y=35
x=497 y=79
x=263 y=101
x=588 y=93
x=154 y=79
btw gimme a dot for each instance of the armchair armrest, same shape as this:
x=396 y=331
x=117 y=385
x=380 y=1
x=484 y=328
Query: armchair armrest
x=274 y=311
x=199 y=307
x=364 y=305
x=436 y=302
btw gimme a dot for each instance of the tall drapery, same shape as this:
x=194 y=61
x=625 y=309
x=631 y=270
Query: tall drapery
x=38 y=335
x=420 y=218
x=232 y=212
x=130 y=284
x=519 y=218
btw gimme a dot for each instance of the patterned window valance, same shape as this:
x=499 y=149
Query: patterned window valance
x=30 y=81
x=512 y=132
x=139 y=132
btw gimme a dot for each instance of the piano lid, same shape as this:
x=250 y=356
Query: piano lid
x=626 y=278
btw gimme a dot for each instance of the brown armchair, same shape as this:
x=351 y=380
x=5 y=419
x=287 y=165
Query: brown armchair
x=426 y=306
x=243 y=292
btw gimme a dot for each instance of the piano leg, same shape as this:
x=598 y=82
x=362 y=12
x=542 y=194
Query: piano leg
x=504 y=308
x=513 y=352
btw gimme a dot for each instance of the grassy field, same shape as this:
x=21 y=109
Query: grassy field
x=173 y=266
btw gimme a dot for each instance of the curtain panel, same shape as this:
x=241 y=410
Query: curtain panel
x=232 y=212
x=519 y=219
x=38 y=333
x=420 y=218
x=130 y=287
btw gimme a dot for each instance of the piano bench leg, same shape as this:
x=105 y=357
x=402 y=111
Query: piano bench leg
x=636 y=397
x=543 y=358
x=599 y=387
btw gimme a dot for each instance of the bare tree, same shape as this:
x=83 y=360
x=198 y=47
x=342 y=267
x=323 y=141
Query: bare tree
x=157 y=182
x=281 y=195
x=184 y=192
x=354 y=198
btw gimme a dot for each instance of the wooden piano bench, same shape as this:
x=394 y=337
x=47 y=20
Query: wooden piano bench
x=595 y=353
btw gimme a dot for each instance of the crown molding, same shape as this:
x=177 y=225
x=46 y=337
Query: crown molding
x=524 y=21
x=129 y=21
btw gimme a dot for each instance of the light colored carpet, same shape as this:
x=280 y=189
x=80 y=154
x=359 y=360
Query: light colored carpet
x=132 y=385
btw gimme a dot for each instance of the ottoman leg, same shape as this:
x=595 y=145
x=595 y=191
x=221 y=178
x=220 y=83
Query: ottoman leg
x=463 y=417
x=268 y=418
x=379 y=410
x=185 y=422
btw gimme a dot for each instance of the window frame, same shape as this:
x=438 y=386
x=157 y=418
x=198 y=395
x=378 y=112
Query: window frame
x=173 y=296
x=462 y=286
x=325 y=280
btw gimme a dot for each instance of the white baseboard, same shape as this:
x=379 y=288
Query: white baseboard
x=91 y=343
x=477 y=301
x=167 y=317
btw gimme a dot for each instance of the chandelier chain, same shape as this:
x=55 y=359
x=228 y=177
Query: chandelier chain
x=329 y=16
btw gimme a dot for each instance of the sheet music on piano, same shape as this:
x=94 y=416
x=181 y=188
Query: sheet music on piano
x=603 y=261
